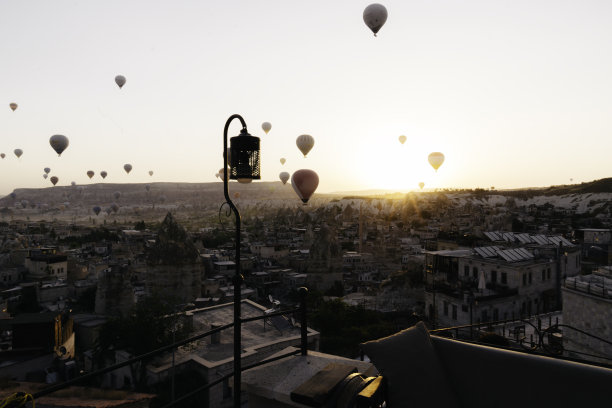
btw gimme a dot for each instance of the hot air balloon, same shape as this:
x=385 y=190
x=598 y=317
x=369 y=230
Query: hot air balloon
x=127 y=168
x=103 y=174
x=162 y=198
x=2 y=155
x=73 y=183
x=421 y=185
x=117 y=195
x=114 y=207
x=45 y=176
x=304 y=182
x=266 y=126
x=108 y=210
x=236 y=194
x=24 y=203
x=402 y=139
x=90 y=173
x=97 y=210
x=18 y=152
x=305 y=143
x=120 y=81
x=147 y=187
x=436 y=159
x=47 y=170
x=284 y=176
x=59 y=143
x=13 y=195
x=13 y=106
x=283 y=160
x=375 y=16
x=151 y=173
x=54 y=180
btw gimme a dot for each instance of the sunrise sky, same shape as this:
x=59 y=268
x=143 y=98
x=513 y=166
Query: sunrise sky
x=514 y=93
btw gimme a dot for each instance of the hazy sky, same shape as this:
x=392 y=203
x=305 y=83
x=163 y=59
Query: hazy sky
x=514 y=93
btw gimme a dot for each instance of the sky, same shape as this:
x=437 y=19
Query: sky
x=514 y=93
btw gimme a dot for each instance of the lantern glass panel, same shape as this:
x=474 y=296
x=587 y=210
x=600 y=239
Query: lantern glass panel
x=245 y=159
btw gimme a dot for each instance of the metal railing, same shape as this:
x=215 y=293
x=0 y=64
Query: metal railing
x=596 y=288
x=544 y=340
x=303 y=350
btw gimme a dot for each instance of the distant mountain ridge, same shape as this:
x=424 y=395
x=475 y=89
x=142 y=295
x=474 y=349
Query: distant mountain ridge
x=597 y=186
x=136 y=194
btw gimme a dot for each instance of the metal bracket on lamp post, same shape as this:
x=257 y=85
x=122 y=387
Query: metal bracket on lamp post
x=238 y=278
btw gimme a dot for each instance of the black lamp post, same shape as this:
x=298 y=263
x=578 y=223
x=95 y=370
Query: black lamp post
x=244 y=167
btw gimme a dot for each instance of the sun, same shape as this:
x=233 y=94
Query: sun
x=395 y=166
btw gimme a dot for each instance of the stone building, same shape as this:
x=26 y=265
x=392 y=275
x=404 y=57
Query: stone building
x=46 y=263
x=587 y=306
x=212 y=357
x=496 y=283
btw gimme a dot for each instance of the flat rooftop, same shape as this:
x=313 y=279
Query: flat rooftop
x=253 y=333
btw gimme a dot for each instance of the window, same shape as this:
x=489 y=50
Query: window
x=454 y=312
x=530 y=278
x=466 y=271
x=524 y=279
x=504 y=278
x=494 y=277
x=543 y=274
x=445 y=308
x=464 y=308
x=475 y=272
x=548 y=273
x=495 y=315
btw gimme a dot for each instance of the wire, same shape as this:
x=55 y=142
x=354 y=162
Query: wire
x=19 y=399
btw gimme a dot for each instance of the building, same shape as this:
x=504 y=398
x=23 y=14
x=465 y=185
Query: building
x=496 y=283
x=595 y=244
x=587 y=306
x=212 y=357
x=46 y=263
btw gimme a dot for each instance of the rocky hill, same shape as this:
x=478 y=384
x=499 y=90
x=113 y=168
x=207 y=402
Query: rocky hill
x=103 y=194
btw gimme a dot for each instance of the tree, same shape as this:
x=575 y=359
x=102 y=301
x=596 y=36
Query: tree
x=147 y=327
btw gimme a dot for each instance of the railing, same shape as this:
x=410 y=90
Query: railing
x=596 y=288
x=548 y=341
x=303 y=350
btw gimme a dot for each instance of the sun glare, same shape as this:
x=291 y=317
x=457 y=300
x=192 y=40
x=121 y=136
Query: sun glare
x=391 y=165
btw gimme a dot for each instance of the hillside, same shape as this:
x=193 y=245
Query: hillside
x=137 y=194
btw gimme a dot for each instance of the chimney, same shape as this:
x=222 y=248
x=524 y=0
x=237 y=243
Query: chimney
x=215 y=338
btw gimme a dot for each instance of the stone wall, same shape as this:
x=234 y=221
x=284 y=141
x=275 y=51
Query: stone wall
x=591 y=314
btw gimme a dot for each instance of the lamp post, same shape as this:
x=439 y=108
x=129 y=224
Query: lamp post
x=244 y=167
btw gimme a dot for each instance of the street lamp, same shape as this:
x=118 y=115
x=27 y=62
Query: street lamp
x=244 y=167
